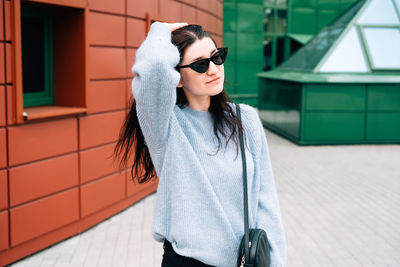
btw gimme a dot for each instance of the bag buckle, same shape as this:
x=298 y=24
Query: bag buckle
x=243 y=261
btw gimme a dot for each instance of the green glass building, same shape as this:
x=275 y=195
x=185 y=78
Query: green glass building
x=332 y=71
x=261 y=34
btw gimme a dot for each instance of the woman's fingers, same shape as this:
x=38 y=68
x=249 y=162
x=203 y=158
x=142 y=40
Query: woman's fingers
x=175 y=26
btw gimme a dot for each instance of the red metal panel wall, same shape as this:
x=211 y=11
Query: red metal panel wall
x=66 y=162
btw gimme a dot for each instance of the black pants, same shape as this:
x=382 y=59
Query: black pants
x=172 y=259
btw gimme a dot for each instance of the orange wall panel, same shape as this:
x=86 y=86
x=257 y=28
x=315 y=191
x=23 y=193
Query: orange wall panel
x=105 y=29
x=41 y=140
x=139 y=8
x=2 y=63
x=7 y=20
x=218 y=40
x=220 y=9
x=38 y=179
x=213 y=7
x=213 y=22
x=3 y=148
x=43 y=216
x=136 y=32
x=114 y=6
x=190 y=2
x=3 y=190
x=129 y=93
x=43 y=175
x=11 y=114
x=202 y=19
x=1 y=21
x=97 y=162
x=131 y=56
x=107 y=63
x=133 y=187
x=2 y=105
x=100 y=128
x=102 y=193
x=188 y=14
x=37 y=244
x=220 y=27
x=3 y=230
x=9 y=63
x=106 y=95
x=171 y=10
x=204 y=4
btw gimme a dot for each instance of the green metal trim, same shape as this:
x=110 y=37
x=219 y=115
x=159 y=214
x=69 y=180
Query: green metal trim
x=274 y=41
x=364 y=41
x=310 y=142
x=303 y=77
x=396 y=8
x=47 y=96
x=280 y=132
x=366 y=113
x=364 y=47
x=303 y=106
x=234 y=88
x=273 y=35
x=286 y=48
x=288 y=16
x=301 y=38
x=276 y=6
x=273 y=52
x=379 y=26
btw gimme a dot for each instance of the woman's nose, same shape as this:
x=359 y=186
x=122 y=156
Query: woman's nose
x=212 y=68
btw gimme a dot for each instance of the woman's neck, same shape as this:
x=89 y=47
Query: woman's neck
x=201 y=103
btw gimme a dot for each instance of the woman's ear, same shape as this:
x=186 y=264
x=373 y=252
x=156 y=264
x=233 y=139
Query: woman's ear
x=180 y=84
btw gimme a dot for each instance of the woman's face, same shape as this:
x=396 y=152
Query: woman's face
x=201 y=84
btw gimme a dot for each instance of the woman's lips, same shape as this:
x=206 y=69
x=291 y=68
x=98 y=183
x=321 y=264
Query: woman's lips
x=214 y=80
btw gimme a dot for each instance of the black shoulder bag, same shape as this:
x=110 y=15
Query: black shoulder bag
x=254 y=247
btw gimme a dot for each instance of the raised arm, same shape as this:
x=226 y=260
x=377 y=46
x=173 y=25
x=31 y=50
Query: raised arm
x=154 y=87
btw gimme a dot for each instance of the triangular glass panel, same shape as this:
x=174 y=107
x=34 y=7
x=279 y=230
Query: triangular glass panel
x=308 y=57
x=347 y=56
x=384 y=47
x=379 y=12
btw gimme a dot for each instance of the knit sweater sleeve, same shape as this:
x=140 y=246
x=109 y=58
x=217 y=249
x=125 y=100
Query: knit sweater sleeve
x=268 y=212
x=154 y=87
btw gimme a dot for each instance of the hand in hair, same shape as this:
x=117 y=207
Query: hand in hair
x=175 y=26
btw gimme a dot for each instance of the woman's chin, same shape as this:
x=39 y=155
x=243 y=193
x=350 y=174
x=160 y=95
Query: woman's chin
x=216 y=90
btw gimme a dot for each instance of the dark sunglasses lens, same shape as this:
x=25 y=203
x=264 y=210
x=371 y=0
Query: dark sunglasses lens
x=219 y=57
x=200 y=66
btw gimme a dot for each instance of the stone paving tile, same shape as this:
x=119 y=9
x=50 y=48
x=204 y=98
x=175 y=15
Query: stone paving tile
x=340 y=207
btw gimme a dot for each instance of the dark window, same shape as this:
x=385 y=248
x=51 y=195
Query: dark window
x=37 y=56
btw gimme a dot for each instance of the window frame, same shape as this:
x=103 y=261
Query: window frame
x=70 y=93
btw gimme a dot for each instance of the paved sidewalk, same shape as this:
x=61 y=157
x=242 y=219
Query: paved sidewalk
x=340 y=207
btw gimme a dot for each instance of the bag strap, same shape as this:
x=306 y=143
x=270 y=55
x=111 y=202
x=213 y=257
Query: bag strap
x=244 y=169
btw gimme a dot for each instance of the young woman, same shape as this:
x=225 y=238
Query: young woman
x=182 y=128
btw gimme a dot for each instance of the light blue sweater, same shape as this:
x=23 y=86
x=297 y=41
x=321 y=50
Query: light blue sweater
x=200 y=196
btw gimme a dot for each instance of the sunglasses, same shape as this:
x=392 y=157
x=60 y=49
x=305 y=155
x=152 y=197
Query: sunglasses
x=201 y=66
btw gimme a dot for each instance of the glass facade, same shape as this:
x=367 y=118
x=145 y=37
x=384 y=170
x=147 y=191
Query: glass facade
x=275 y=29
x=348 y=56
x=379 y=12
x=289 y=24
x=345 y=81
x=371 y=44
x=383 y=45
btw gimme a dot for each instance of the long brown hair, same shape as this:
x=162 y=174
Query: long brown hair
x=131 y=135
